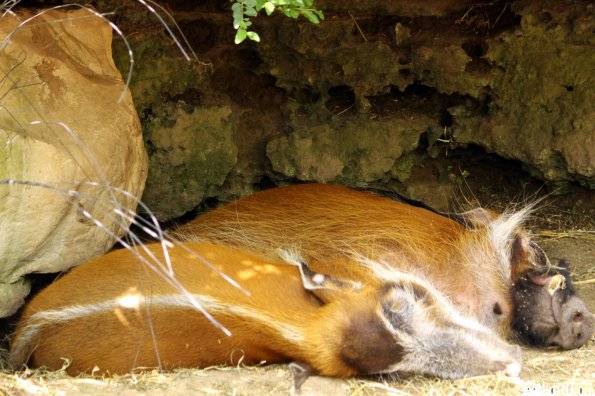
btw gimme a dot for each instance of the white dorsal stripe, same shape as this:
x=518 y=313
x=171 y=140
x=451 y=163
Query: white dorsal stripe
x=39 y=320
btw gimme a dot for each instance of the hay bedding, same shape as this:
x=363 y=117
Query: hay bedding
x=545 y=372
x=567 y=373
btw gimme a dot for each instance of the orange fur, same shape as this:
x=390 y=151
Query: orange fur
x=325 y=222
x=118 y=339
x=113 y=315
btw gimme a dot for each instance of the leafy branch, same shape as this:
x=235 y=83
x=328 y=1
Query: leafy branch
x=243 y=10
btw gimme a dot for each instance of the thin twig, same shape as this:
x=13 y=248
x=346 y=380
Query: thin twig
x=343 y=111
x=499 y=16
x=357 y=26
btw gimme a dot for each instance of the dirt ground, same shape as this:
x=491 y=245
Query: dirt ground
x=544 y=372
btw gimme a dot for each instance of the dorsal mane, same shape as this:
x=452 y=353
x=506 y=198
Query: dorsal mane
x=395 y=196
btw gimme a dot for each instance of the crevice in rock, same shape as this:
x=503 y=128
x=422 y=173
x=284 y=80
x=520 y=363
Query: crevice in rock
x=475 y=48
x=418 y=98
x=341 y=99
x=235 y=78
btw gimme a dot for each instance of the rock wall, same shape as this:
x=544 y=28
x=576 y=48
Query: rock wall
x=368 y=96
x=541 y=86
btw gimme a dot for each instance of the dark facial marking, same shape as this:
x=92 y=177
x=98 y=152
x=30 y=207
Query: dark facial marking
x=368 y=346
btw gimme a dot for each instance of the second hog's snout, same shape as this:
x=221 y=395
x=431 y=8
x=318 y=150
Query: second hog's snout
x=576 y=324
x=549 y=312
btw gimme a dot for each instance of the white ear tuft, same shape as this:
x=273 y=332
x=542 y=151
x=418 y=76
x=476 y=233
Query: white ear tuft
x=291 y=256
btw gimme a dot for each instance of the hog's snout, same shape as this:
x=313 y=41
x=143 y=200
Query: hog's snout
x=576 y=325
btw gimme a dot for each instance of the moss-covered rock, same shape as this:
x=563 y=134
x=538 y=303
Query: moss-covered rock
x=542 y=109
x=322 y=58
x=159 y=71
x=510 y=78
x=191 y=153
x=346 y=150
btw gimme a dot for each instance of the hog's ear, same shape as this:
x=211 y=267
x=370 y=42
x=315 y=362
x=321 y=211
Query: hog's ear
x=551 y=282
x=326 y=287
x=554 y=277
x=538 y=279
x=520 y=255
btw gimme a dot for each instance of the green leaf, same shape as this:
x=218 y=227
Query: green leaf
x=240 y=36
x=251 y=12
x=291 y=12
x=238 y=15
x=311 y=16
x=253 y=36
x=269 y=7
x=244 y=10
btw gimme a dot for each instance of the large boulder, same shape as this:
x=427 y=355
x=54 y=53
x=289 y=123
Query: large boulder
x=71 y=142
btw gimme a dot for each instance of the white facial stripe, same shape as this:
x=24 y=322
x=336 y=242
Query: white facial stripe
x=420 y=356
x=389 y=274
